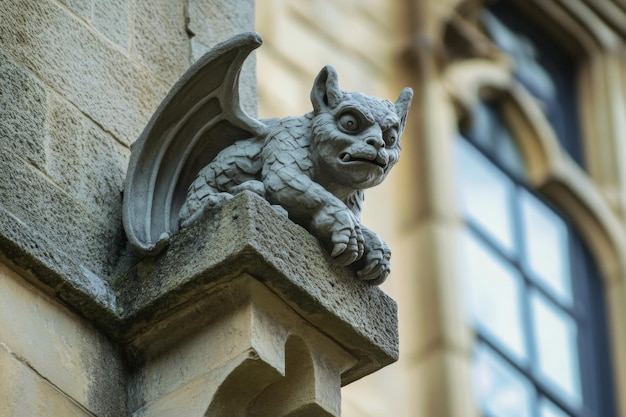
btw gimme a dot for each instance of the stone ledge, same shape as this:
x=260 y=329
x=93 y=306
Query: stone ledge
x=29 y=251
x=247 y=236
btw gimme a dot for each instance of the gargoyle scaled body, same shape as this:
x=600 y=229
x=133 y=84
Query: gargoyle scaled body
x=313 y=167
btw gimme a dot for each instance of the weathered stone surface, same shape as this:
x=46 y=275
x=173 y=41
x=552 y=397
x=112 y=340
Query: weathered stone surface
x=83 y=8
x=23 y=104
x=246 y=353
x=190 y=399
x=30 y=250
x=248 y=235
x=112 y=18
x=70 y=57
x=159 y=38
x=233 y=16
x=66 y=351
x=87 y=163
x=63 y=178
x=212 y=22
x=28 y=394
x=54 y=216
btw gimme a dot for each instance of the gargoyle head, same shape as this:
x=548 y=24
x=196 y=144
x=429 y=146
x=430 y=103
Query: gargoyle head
x=356 y=138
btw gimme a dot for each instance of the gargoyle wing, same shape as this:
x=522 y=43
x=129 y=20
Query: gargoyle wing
x=200 y=116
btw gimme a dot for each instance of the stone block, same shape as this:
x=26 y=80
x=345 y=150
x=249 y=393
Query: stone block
x=83 y=8
x=23 y=103
x=28 y=394
x=49 y=214
x=248 y=235
x=63 y=176
x=212 y=22
x=61 y=350
x=112 y=18
x=246 y=351
x=86 y=162
x=159 y=38
x=74 y=60
x=190 y=399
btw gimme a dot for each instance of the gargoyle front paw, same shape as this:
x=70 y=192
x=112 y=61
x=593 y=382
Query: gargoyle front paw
x=342 y=232
x=347 y=244
x=375 y=265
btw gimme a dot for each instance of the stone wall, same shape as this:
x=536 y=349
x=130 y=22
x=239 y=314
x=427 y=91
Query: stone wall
x=53 y=362
x=79 y=80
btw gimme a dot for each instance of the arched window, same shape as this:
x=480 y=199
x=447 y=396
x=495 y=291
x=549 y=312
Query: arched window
x=534 y=292
x=543 y=69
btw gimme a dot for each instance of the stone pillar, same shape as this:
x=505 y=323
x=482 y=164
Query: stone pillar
x=245 y=315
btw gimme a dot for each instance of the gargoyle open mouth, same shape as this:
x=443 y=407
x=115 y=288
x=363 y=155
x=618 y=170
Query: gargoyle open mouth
x=373 y=159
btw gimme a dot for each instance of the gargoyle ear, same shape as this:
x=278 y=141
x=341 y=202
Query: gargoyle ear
x=326 y=91
x=403 y=104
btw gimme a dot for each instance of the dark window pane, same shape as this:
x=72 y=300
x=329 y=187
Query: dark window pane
x=543 y=69
x=525 y=55
x=489 y=131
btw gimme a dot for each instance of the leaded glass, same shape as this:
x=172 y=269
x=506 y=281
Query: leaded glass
x=500 y=390
x=548 y=409
x=494 y=290
x=485 y=195
x=546 y=245
x=556 y=346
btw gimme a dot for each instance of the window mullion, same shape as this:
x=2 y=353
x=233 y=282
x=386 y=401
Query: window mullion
x=527 y=318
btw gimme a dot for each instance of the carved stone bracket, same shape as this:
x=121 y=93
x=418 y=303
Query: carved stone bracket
x=225 y=323
x=254 y=357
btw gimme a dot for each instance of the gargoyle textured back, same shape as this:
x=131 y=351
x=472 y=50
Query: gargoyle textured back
x=314 y=168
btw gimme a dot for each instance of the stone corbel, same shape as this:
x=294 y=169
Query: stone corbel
x=226 y=323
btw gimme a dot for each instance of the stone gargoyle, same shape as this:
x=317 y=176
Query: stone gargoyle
x=200 y=148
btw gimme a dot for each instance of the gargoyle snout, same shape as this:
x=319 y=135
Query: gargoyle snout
x=376 y=142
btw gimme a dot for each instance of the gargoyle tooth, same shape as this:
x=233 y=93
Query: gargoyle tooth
x=346 y=157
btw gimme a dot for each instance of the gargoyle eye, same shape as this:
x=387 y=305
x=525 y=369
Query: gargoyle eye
x=390 y=136
x=349 y=122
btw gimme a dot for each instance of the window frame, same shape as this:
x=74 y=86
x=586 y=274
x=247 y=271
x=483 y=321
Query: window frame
x=589 y=328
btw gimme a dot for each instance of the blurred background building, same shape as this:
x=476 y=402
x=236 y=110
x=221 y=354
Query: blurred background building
x=507 y=212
